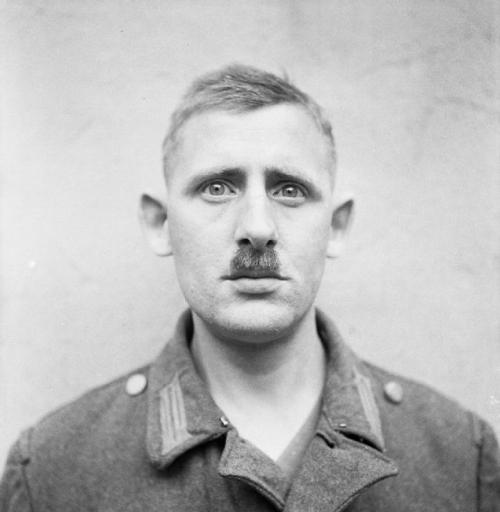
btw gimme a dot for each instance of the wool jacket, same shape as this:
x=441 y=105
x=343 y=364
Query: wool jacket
x=155 y=440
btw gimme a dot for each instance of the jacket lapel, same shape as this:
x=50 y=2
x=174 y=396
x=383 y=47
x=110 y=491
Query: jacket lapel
x=333 y=474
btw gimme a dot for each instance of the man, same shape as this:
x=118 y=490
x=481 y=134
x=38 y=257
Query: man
x=256 y=403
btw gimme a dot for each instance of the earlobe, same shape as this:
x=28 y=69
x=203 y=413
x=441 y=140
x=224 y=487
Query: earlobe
x=341 y=222
x=153 y=220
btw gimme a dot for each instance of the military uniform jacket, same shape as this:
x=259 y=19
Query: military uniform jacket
x=155 y=441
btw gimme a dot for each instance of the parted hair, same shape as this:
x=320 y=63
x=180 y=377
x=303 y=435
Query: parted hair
x=238 y=88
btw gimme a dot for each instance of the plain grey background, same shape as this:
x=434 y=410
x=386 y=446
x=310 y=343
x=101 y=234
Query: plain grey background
x=412 y=90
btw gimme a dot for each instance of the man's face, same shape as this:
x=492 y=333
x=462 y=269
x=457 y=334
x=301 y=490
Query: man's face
x=249 y=211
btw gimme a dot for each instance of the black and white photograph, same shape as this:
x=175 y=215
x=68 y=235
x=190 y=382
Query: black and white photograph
x=250 y=256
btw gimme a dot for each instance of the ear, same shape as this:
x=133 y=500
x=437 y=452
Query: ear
x=153 y=219
x=341 y=221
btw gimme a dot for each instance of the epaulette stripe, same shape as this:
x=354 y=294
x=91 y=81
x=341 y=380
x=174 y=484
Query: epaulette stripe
x=172 y=416
x=369 y=405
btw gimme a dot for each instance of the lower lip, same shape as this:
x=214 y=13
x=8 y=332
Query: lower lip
x=256 y=286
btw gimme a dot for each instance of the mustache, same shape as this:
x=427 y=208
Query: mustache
x=249 y=259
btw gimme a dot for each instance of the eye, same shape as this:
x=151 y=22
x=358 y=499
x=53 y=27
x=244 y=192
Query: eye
x=291 y=194
x=216 y=190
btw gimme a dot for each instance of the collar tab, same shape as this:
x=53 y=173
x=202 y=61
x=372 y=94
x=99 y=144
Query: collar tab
x=172 y=430
x=348 y=401
x=369 y=405
x=172 y=416
x=181 y=413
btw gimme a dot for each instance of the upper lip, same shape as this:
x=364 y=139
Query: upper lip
x=254 y=274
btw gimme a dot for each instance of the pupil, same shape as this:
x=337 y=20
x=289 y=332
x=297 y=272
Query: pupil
x=216 y=189
x=290 y=192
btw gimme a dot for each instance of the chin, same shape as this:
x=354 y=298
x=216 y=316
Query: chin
x=254 y=322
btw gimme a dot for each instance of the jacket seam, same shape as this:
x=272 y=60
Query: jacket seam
x=27 y=487
x=23 y=448
x=117 y=382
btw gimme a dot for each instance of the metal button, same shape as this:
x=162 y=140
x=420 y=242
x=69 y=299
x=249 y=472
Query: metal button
x=224 y=421
x=136 y=384
x=393 y=392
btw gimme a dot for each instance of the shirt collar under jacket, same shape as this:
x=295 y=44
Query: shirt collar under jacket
x=347 y=450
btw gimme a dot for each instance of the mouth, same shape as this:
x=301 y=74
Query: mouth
x=254 y=274
x=255 y=282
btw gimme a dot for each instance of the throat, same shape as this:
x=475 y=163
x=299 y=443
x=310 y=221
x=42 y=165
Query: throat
x=291 y=456
x=282 y=441
x=268 y=391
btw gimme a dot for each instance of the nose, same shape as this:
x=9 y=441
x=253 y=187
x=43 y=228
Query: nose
x=256 y=224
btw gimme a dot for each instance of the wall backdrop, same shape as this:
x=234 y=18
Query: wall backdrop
x=412 y=90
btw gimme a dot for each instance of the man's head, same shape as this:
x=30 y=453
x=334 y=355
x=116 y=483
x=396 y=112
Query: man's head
x=240 y=89
x=249 y=215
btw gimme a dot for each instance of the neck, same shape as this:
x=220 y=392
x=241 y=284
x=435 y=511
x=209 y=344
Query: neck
x=278 y=382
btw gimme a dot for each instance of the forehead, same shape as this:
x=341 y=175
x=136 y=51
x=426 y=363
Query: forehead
x=279 y=135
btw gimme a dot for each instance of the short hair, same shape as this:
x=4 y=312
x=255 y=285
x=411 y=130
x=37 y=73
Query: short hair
x=239 y=88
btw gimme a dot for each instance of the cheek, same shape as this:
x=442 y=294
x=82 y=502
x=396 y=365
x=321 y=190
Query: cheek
x=197 y=223
x=197 y=247
x=310 y=239
x=183 y=229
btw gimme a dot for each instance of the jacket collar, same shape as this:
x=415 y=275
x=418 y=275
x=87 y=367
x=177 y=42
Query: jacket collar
x=349 y=405
x=182 y=414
